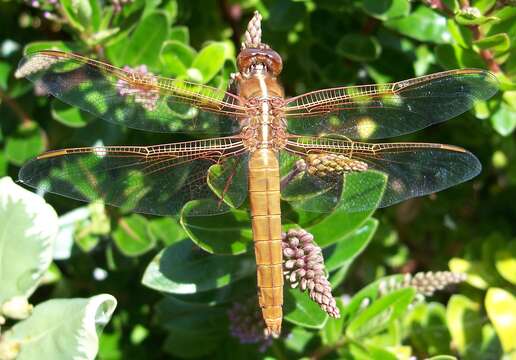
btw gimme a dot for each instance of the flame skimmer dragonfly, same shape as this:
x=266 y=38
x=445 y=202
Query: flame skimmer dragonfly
x=275 y=147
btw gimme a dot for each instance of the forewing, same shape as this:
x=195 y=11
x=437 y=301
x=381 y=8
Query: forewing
x=155 y=180
x=388 y=110
x=412 y=170
x=132 y=97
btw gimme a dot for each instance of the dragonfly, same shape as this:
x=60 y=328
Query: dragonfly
x=267 y=148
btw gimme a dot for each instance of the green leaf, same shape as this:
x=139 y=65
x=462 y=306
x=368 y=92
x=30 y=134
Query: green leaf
x=62 y=328
x=300 y=310
x=453 y=5
x=501 y=309
x=28 y=230
x=26 y=142
x=461 y=35
x=285 y=14
x=3 y=164
x=473 y=18
x=5 y=69
x=78 y=13
x=358 y=47
x=181 y=34
x=427 y=329
x=89 y=229
x=68 y=224
x=442 y=357
x=96 y=15
x=423 y=24
x=172 y=313
x=229 y=233
x=366 y=295
x=133 y=236
x=507 y=23
x=366 y=187
x=185 y=269
x=350 y=246
x=176 y=57
x=480 y=274
x=167 y=230
x=386 y=9
x=503 y=120
x=210 y=60
x=298 y=339
x=333 y=331
x=464 y=323
x=50 y=45
x=367 y=352
x=380 y=313
x=186 y=344
x=69 y=115
x=144 y=44
x=498 y=42
x=505 y=262
x=454 y=56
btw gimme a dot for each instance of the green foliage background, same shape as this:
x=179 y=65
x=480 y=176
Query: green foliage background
x=470 y=228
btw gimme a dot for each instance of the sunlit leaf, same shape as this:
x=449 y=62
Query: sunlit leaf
x=341 y=222
x=68 y=115
x=505 y=262
x=229 y=233
x=387 y=9
x=78 y=13
x=300 y=310
x=28 y=230
x=453 y=56
x=182 y=268
x=180 y=33
x=380 y=313
x=62 y=328
x=464 y=322
x=498 y=42
x=209 y=61
x=503 y=120
x=176 y=57
x=298 y=339
x=349 y=247
x=145 y=42
x=167 y=230
x=501 y=309
x=422 y=24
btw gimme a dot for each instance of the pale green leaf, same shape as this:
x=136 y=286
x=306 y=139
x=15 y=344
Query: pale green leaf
x=28 y=227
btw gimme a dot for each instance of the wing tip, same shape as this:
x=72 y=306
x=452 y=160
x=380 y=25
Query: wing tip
x=39 y=60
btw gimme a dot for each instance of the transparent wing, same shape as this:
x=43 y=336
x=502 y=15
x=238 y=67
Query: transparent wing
x=155 y=180
x=320 y=168
x=388 y=110
x=132 y=97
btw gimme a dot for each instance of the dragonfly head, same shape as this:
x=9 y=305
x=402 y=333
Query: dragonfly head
x=253 y=60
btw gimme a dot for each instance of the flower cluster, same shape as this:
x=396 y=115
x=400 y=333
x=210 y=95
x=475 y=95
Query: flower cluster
x=425 y=283
x=304 y=268
x=143 y=89
x=246 y=324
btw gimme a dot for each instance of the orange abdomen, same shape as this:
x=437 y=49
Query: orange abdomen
x=264 y=195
